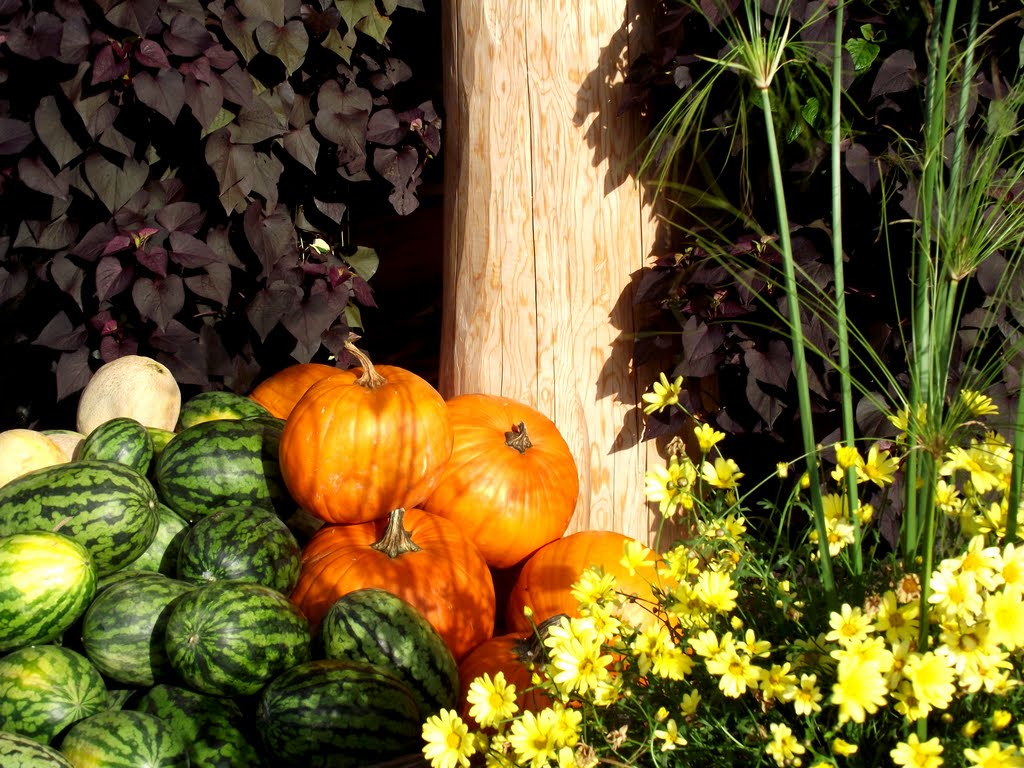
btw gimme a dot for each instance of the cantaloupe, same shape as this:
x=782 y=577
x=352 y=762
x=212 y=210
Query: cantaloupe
x=134 y=386
x=23 y=450
x=68 y=440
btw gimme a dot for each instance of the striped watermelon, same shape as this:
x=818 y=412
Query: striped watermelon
x=160 y=439
x=123 y=629
x=161 y=556
x=339 y=714
x=45 y=688
x=214 y=728
x=377 y=627
x=122 y=440
x=124 y=739
x=243 y=544
x=105 y=506
x=46 y=583
x=229 y=638
x=17 y=751
x=211 y=406
x=223 y=463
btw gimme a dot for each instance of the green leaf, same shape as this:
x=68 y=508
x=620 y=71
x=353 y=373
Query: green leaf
x=364 y=262
x=223 y=118
x=343 y=46
x=352 y=316
x=287 y=43
x=375 y=25
x=863 y=53
x=263 y=10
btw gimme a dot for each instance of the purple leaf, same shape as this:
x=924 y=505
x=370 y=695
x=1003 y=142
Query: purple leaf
x=117 y=244
x=220 y=58
x=134 y=15
x=164 y=93
x=205 y=100
x=310 y=318
x=237 y=86
x=214 y=284
x=332 y=210
x=60 y=334
x=115 y=346
x=239 y=30
x=898 y=72
x=271 y=237
x=110 y=64
x=112 y=277
x=362 y=292
x=74 y=41
x=269 y=305
x=862 y=166
x=341 y=118
x=772 y=368
x=187 y=37
x=153 y=258
x=73 y=372
x=257 y=123
x=395 y=71
x=172 y=338
x=14 y=136
x=385 y=128
x=68 y=276
x=199 y=69
x=219 y=240
x=41 y=40
x=302 y=146
x=11 y=284
x=149 y=53
x=181 y=217
x=115 y=186
x=189 y=251
x=35 y=175
x=230 y=163
x=320 y=22
x=159 y=300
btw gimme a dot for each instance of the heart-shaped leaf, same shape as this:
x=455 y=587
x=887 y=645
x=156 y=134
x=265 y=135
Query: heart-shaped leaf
x=205 y=100
x=269 y=305
x=164 y=93
x=11 y=284
x=173 y=338
x=60 y=334
x=159 y=300
x=68 y=276
x=239 y=30
x=189 y=251
x=263 y=10
x=153 y=258
x=112 y=277
x=385 y=128
x=214 y=284
x=271 y=237
x=15 y=135
x=55 y=137
x=114 y=185
x=257 y=123
x=287 y=43
x=184 y=217
x=134 y=15
x=73 y=372
x=35 y=175
x=149 y=53
x=302 y=146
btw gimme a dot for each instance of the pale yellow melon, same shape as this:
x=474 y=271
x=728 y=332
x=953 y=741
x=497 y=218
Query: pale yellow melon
x=133 y=386
x=22 y=450
x=67 y=440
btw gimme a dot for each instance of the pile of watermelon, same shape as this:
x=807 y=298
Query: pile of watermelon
x=146 y=619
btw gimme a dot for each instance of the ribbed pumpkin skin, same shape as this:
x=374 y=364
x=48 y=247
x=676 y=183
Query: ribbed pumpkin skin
x=546 y=579
x=505 y=654
x=447 y=580
x=351 y=453
x=508 y=502
x=281 y=391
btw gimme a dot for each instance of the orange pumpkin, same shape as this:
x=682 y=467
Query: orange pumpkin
x=511 y=482
x=511 y=655
x=363 y=442
x=280 y=392
x=545 y=581
x=423 y=559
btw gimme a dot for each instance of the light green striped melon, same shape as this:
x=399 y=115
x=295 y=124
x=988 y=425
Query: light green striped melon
x=161 y=555
x=124 y=739
x=46 y=583
x=17 y=751
x=46 y=688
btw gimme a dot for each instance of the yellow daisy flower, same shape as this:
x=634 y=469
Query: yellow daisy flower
x=492 y=700
x=913 y=753
x=665 y=394
x=448 y=742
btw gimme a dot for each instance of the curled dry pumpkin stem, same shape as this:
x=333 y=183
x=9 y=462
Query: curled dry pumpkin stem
x=518 y=439
x=369 y=378
x=396 y=540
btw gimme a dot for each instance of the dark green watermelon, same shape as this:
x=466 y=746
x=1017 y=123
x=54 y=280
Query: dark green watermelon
x=377 y=627
x=123 y=630
x=124 y=739
x=243 y=544
x=105 y=506
x=224 y=463
x=161 y=555
x=229 y=638
x=122 y=440
x=46 y=688
x=213 y=406
x=337 y=714
x=17 y=751
x=214 y=728
x=46 y=583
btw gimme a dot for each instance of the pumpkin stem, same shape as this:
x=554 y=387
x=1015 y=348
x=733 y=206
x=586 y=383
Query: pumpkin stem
x=518 y=439
x=369 y=377
x=396 y=540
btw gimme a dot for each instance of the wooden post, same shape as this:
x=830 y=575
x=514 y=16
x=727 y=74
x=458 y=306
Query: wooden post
x=546 y=231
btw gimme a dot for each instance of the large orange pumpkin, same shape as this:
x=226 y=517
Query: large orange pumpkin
x=279 y=392
x=512 y=655
x=511 y=482
x=545 y=581
x=423 y=559
x=363 y=442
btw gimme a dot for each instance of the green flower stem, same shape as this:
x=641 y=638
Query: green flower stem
x=1013 y=500
x=842 y=328
x=799 y=358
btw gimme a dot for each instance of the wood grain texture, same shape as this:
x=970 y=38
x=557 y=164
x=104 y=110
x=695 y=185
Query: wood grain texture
x=546 y=231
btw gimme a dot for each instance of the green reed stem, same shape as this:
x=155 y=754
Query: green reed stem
x=799 y=358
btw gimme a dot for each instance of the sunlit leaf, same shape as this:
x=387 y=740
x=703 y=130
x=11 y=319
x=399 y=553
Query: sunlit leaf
x=263 y=10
